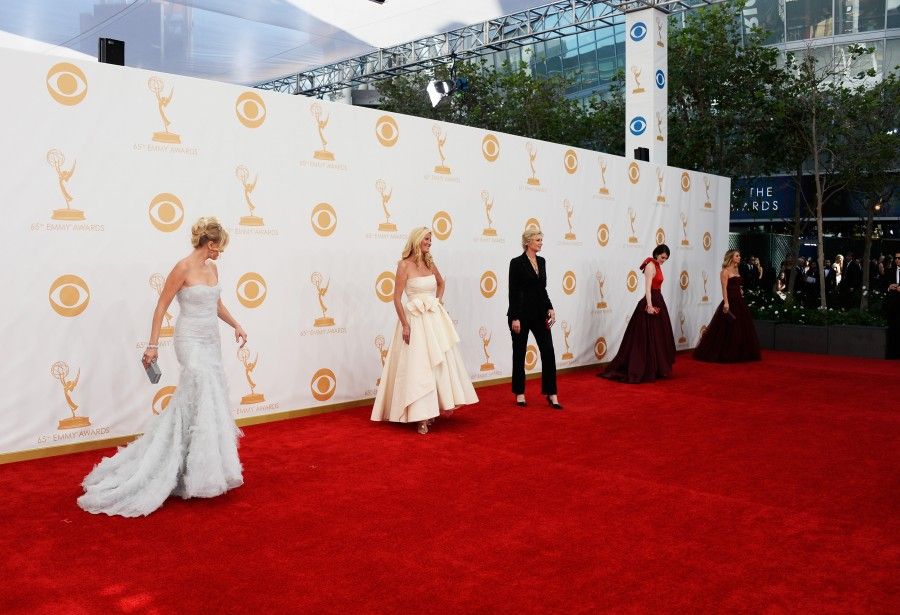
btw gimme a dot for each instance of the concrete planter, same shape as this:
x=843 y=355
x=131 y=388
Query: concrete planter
x=857 y=341
x=801 y=338
x=765 y=331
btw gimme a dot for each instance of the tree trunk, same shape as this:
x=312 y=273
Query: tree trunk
x=867 y=255
x=795 y=235
x=820 y=202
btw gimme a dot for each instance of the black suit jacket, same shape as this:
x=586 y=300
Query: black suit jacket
x=528 y=296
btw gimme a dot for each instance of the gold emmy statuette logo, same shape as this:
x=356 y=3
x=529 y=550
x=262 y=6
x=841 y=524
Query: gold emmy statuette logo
x=660 y=236
x=316 y=279
x=156 y=283
x=156 y=86
x=636 y=71
x=707 y=241
x=243 y=175
x=532 y=154
x=533 y=224
x=631 y=281
x=702 y=330
x=322 y=154
x=323 y=219
x=386 y=131
x=323 y=384
x=567 y=355
x=488 y=284
x=570 y=161
x=601 y=282
x=442 y=225
x=384 y=286
x=490 y=148
x=69 y=295
x=60 y=371
x=603 y=235
x=682 y=339
x=489 y=231
x=570 y=211
x=250 y=109
x=243 y=354
x=382 y=352
x=632 y=216
x=441 y=138
x=531 y=357
x=705 y=287
x=659 y=130
x=603 y=190
x=685 y=182
x=251 y=290
x=381 y=186
x=600 y=348
x=161 y=399
x=66 y=84
x=485 y=336
x=56 y=159
x=708 y=203
x=568 y=282
x=660 y=176
x=684 y=280
x=684 y=221
x=659 y=35
x=634 y=173
x=166 y=212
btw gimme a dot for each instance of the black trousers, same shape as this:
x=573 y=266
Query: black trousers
x=538 y=326
x=892 y=307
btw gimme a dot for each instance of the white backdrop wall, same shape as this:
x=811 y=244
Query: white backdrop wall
x=106 y=168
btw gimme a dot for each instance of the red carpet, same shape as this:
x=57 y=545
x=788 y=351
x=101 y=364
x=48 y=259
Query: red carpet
x=770 y=487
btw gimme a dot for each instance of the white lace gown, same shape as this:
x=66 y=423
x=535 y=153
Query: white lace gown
x=189 y=449
x=427 y=375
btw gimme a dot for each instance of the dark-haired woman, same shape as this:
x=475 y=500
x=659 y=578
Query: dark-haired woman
x=647 y=351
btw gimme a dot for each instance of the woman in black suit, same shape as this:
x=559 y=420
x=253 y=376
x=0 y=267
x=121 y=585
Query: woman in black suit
x=530 y=310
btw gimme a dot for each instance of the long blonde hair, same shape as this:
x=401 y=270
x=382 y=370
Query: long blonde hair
x=728 y=257
x=413 y=247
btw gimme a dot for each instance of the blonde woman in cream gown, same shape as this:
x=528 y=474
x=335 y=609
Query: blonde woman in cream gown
x=424 y=372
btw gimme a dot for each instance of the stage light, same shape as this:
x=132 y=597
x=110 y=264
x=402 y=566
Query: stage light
x=439 y=90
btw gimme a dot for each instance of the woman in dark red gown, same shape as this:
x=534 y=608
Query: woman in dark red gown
x=648 y=348
x=730 y=336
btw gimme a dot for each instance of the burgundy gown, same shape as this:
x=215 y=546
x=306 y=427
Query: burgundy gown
x=730 y=338
x=648 y=348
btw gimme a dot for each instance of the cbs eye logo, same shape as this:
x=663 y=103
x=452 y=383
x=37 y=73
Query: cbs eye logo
x=166 y=212
x=660 y=79
x=638 y=32
x=66 y=84
x=600 y=348
x=631 y=281
x=323 y=219
x=634 y=173
x=488 y=284
x=386 y=131
x=685 y=182
x=490 y=148
x=570 y=161
x=568 y=282
x=637 y=126
x=161 y=399
x=442 y=225
x=384 y=286
x=684 y=280
x=251 y=290
x=603 y=235
x=250 y=109
x=69 y=295
x=707 y=241
x=531 y=357
x=660 y=236
x=323 y=384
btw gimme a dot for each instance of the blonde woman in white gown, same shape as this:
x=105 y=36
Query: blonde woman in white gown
x=190 y=449
x=424 y=372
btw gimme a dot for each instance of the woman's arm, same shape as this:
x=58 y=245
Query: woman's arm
x=399 y=286
x=516 y=296
x=723 y=280
x=174 y=282
x=440 y=283
x=649 y=274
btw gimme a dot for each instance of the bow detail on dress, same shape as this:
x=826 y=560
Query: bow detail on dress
x=418 y=306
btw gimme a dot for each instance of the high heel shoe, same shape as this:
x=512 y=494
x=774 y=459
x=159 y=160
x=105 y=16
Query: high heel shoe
x=554 y=404
x=521 y=402
x=423 y=427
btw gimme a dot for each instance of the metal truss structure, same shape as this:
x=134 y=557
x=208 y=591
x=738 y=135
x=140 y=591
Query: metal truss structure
x=549 y=22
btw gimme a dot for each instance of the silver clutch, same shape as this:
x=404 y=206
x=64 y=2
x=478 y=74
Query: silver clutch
x=154 y=373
